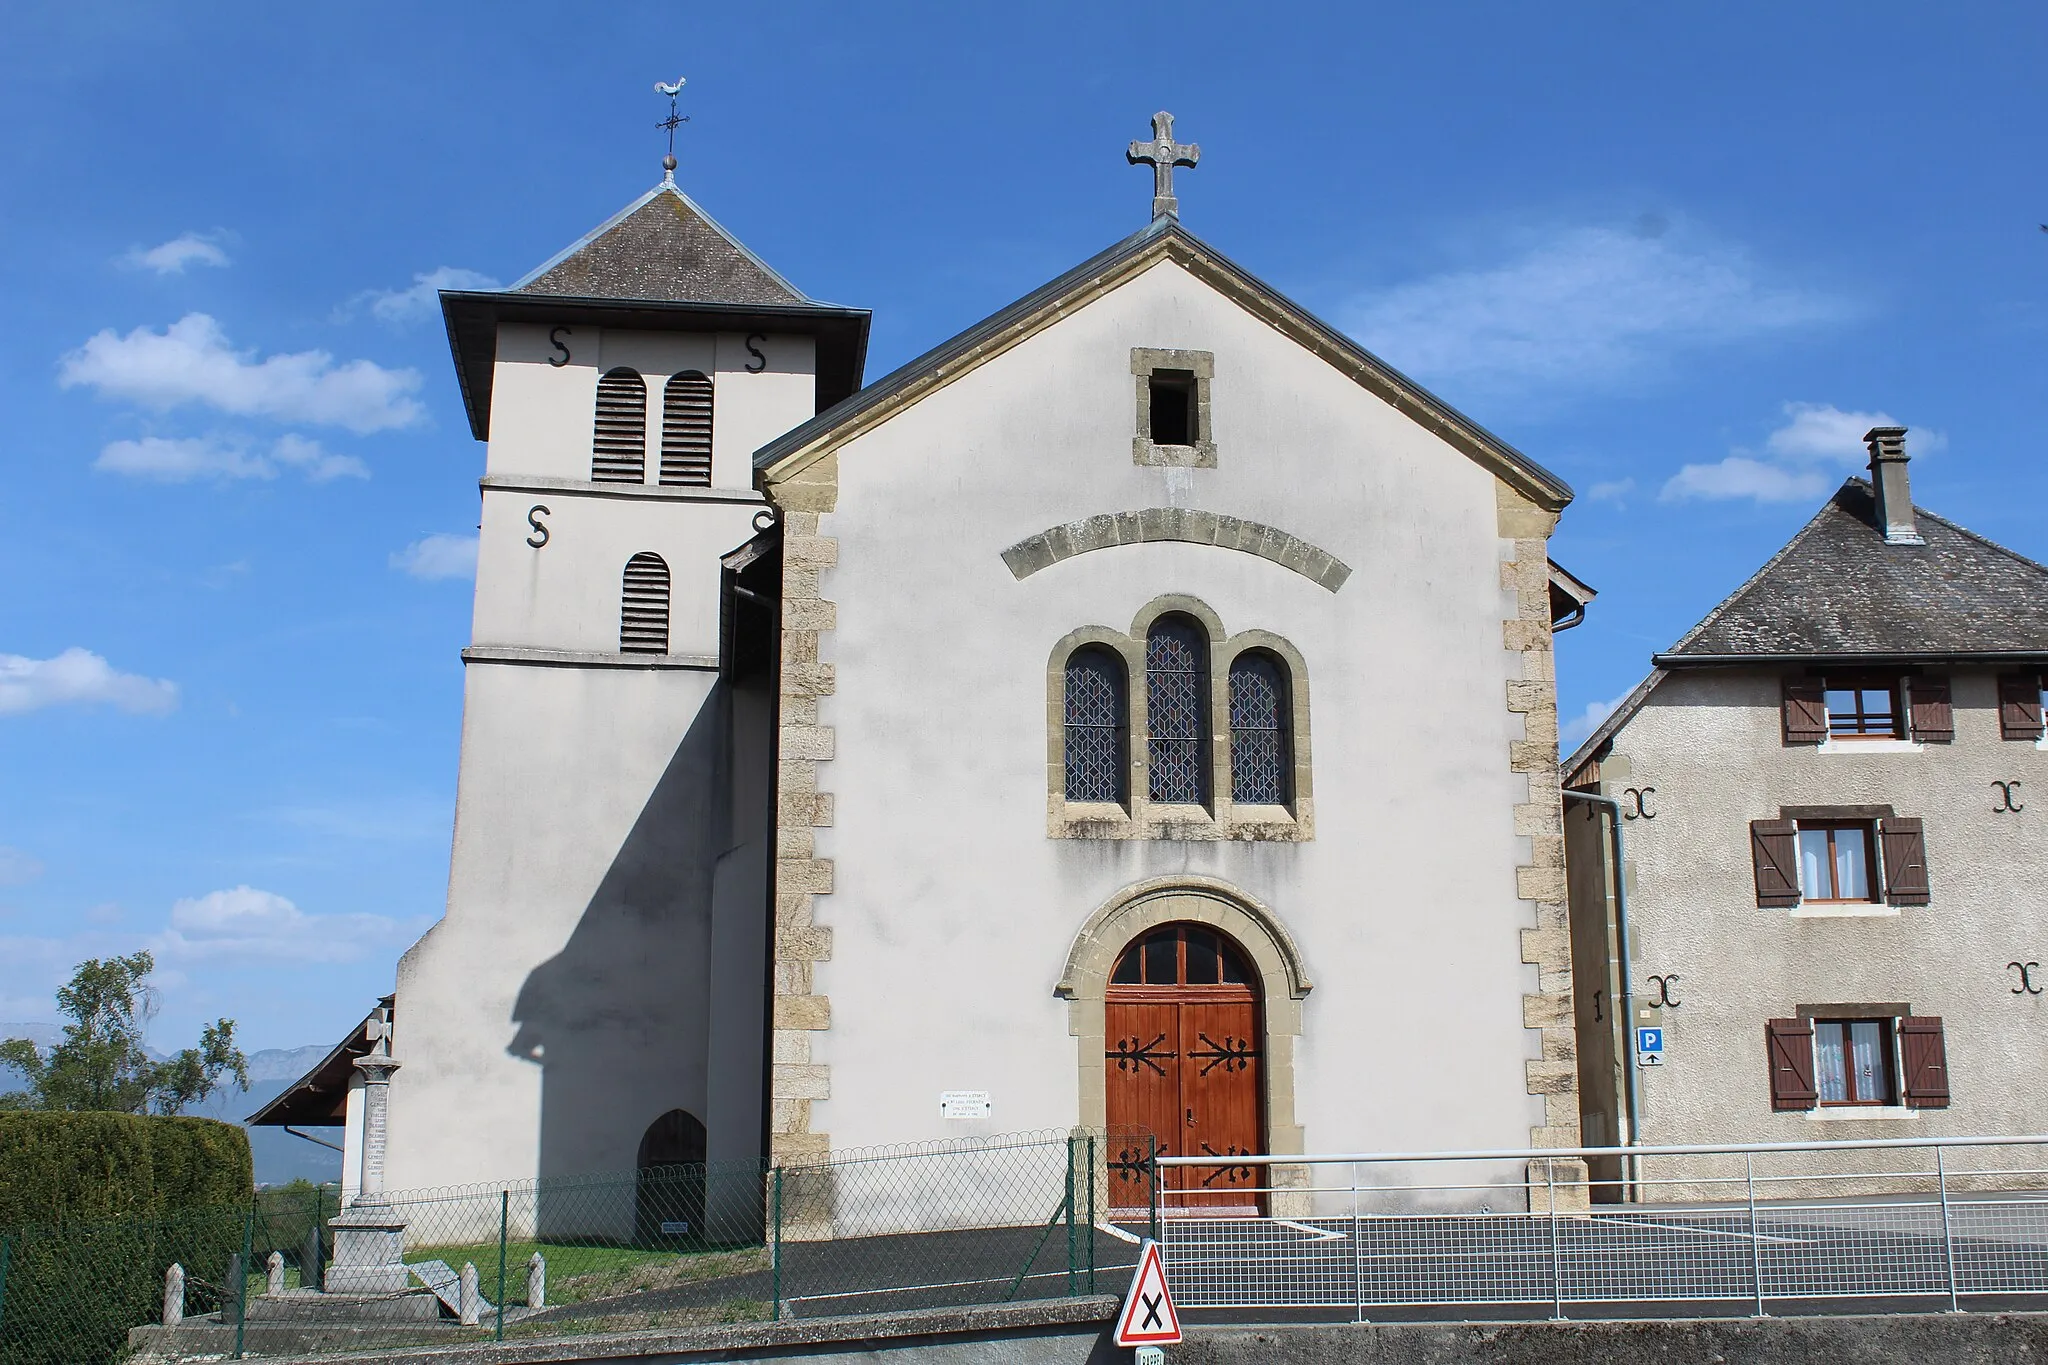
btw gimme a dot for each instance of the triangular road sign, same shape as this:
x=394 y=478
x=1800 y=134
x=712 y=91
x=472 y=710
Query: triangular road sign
x=1148 y=1318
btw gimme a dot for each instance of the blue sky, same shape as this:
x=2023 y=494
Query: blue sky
x=1681 y=255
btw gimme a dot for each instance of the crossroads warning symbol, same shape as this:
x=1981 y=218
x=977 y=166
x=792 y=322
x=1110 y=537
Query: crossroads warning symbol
x=1148 y=1318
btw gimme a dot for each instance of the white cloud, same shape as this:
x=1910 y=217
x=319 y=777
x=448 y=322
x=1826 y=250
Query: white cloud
x=1581 y=308
x=1573 y=732
x=438 y=556
x=1802 y=458
x=17 y=868
x=1615 y=491
x=248 y=924
x=420 y=300
x=214 y=457
x=79 y=677
x=1739 y=476
x=191 y=362
x=171 y=258
x=307 y=456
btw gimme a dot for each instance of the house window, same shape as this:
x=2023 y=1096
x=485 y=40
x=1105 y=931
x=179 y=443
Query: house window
x=1852 y=1061
x=1843 y=1055
x=1174 y=426
x=1095 y=719
x=1864 y=708
x=643 y=606
x=1259 y=759
x=1176 y=711
x=2020 y=697
x=1835 y=861
x=619 y=440
x=1174 y=420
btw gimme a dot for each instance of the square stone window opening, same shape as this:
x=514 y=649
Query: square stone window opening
x=1173 y=418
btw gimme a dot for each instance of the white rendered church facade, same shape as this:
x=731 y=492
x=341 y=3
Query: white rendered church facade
x=1138 y=712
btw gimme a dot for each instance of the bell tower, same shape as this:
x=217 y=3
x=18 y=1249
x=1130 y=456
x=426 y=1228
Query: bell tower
x=603 y=959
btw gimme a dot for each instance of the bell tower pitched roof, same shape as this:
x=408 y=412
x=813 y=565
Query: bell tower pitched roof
x=659 y=264
x=664 y=247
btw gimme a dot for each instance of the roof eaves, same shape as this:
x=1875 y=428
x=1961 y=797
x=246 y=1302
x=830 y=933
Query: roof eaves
x=797 y=447
x=1611 y=726
x=933 y=366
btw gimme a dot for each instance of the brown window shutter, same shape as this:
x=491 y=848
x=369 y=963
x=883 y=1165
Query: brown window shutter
x=1905 y=861
x=1925 y=1055
x=1788 y=1043
x=1806 y=711
x=1934 y=720
x=1774 y=849
x=2019 y=705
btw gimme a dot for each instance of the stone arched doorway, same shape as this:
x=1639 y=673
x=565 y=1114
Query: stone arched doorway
x=1276 y=981
x=1182 y=1065
x=668 y=1202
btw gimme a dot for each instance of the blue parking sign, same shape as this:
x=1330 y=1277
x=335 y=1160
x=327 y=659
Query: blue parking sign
x=1649 y=1040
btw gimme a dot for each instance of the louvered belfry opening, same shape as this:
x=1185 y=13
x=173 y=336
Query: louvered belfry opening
x=643 y=608
x=618 y=452
x=686 y=429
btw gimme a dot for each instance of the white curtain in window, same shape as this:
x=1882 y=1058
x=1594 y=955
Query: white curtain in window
x=1830 y=1066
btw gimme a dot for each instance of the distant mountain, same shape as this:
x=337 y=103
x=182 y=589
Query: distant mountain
x=279 y=1156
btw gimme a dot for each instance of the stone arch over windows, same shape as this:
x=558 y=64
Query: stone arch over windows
x=1217 y=816
x=1255 y=928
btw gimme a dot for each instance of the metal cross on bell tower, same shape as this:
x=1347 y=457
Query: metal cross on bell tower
x=1164 y=154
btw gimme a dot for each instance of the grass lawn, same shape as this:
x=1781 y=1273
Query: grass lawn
x=579 y=1271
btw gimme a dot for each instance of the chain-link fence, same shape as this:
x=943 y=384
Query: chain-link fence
x=965 y=1222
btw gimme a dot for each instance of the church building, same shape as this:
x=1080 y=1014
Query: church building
x=1134 y=713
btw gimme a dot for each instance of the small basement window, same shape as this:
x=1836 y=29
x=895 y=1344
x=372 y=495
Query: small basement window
x=1175 y=419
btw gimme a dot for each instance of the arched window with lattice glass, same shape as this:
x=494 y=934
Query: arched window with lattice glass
x=1177 y=711
x=1097 y=721
x=1261 y=761
x=643 y=606
x=618 y=450
x=686 y=429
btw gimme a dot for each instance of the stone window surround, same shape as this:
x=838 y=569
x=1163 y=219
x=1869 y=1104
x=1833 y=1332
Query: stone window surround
x=1202 y=364
x=1283 y=984
x=1139 y=818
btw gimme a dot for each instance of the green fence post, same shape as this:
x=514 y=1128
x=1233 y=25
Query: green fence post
x=242 y=1279
x=775 y=1251
x=504 y=1221
x=1090 y=1233
x=1073 y=1247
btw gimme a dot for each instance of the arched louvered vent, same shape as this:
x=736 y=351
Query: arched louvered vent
x=686 y=429
x=619 y=450
x=643 y=608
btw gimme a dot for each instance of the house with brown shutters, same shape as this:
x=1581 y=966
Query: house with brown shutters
x=1831 y=901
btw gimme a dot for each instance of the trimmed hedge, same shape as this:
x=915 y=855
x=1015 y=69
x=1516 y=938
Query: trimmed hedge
x=60 y=1167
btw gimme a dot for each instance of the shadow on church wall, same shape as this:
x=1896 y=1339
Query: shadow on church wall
x=618 y=1020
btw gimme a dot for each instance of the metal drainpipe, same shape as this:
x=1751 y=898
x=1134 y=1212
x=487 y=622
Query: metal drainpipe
x=1628 y=998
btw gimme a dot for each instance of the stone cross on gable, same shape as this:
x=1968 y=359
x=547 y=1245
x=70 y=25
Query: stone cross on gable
x=1164 y=154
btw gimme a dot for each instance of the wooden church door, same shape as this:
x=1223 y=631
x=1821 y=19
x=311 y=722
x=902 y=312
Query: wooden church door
x=1182 y=1061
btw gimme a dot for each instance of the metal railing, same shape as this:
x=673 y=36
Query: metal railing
x=1930 y=1222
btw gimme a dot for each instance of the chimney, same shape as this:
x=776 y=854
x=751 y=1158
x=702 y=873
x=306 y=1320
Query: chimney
x=1888 y=483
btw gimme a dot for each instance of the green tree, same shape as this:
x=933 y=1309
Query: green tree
x=101 y=1064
